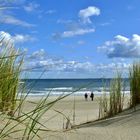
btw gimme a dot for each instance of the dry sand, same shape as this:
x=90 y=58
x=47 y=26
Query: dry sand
x=125 y=126
x=73 y=107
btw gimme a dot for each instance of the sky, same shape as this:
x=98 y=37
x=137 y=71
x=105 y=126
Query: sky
x=73 y=38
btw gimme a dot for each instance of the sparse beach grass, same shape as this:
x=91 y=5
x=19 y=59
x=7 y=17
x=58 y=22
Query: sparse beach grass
x=10 y=68
x=135 y=84
x=112 y=104
x=24 y=124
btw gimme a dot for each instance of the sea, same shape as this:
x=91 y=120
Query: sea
x=42 y=87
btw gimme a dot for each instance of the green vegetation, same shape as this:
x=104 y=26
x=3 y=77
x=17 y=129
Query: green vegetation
x=135 y=84
x=10 y=68
x=27 y=124
x=113 y=103
x=18 y=123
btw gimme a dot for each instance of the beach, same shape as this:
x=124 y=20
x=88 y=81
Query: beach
x=83 y=124
x=73 y=107
x=124 y=126
x=69 y=70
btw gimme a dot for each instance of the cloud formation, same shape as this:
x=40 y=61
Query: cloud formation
x=6 y=16
x=9 y=2
x=122 y=47
x=72 y=33
x=8 y=19
x=31 y=7
x=77 y=32
x=18 y=38
x=85 y=14
x=41 y=61
x=78 y=28
x=40 y=55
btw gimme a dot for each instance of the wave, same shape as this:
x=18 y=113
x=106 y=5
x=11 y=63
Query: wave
x=59 y=89
x=78 y=93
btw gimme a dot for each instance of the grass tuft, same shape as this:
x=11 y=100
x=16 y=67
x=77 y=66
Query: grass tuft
x=10 y=65
x=134 y=75
x=113 y=103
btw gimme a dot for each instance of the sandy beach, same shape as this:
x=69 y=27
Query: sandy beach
x=69 y=70
x=73 y=107
x=125 y=126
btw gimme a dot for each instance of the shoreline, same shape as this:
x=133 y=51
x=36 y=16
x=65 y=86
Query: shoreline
x=86 y=113
x=79 y=93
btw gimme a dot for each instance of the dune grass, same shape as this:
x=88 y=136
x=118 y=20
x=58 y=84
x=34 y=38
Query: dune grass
x=134 y=77
x=103 y=104
x=10 y=67
x=27 y=125
x=113 y=104
x=11 y=103
x=18 y=124
x=110 y=105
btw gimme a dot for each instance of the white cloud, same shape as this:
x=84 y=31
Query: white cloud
x=31 y=7
x=40 y=55
x=6 y=16
x=85 y=14
x=6 y=37
x=72 y=33
x=78 y=28
x=77 y=32
x=7 y=2
x=113 y=66
x=40 y=60
x=73 y=69
x=122 y=47
x=14 y=21
x=19 y=38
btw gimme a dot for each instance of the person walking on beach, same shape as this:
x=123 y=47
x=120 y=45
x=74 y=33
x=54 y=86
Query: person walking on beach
x=92 y=96
x=86 y=96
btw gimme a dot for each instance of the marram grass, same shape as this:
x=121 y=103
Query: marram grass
x=112 y=104
x=27 y=126
x=10 y=67
x=135 y=84
x=18 y=124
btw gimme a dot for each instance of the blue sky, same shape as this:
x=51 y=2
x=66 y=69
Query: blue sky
x=74 y=38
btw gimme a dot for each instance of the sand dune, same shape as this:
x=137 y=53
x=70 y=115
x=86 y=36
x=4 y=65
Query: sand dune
x=125 y=126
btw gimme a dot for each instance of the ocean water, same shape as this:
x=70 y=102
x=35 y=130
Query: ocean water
x=37 y=87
